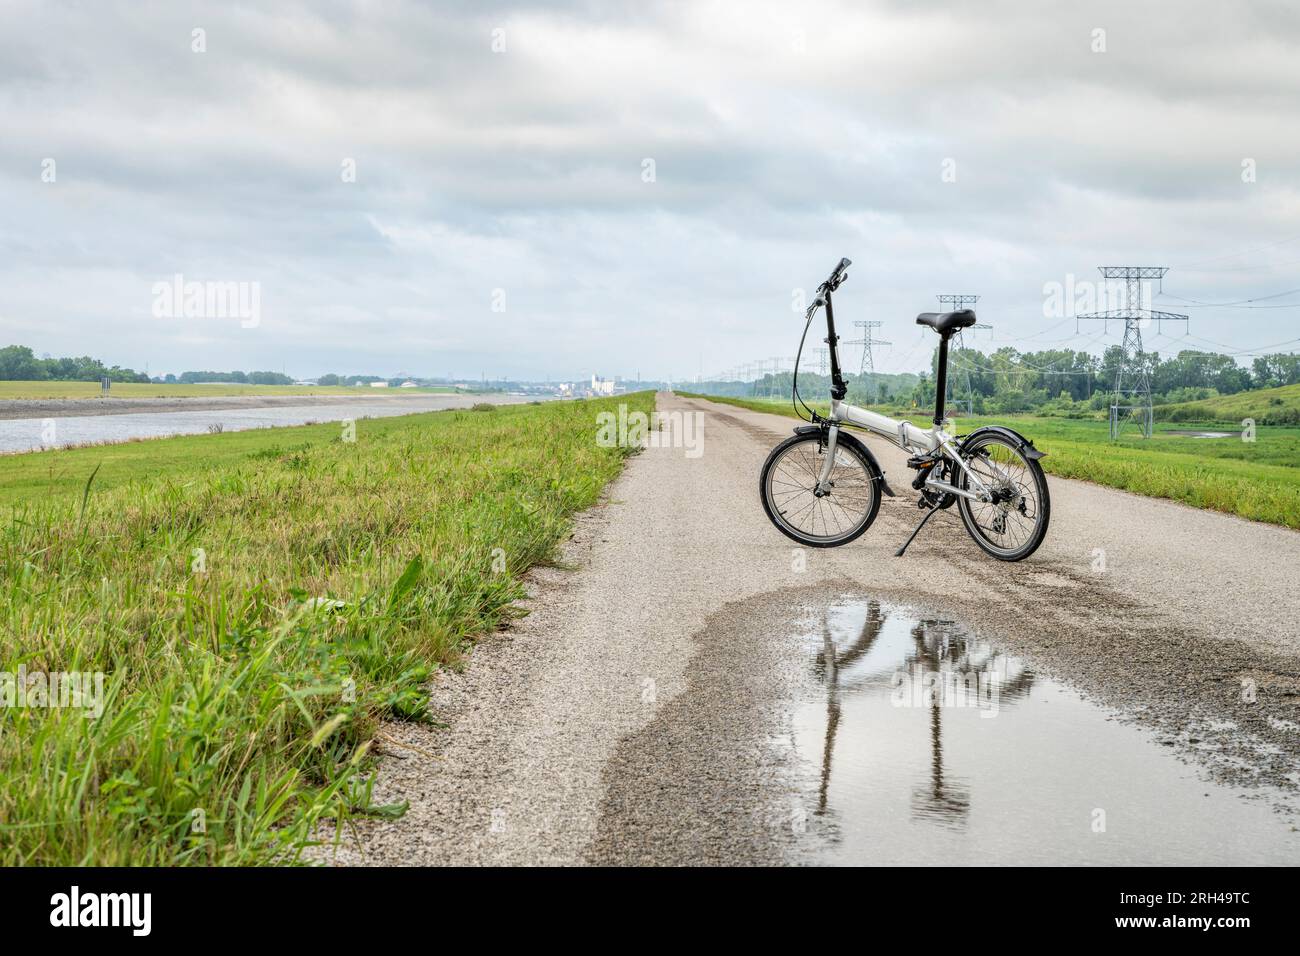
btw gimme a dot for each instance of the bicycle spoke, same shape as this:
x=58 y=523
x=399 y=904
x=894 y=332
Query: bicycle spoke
x=792 y=482
x=1004 y=470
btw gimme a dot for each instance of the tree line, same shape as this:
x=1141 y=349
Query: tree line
x=18 y=363
x=1053 y=381
x=1061 y=380
x=241 y=378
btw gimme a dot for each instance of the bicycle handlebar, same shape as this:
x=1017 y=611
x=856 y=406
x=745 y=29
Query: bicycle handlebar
x=836 y=279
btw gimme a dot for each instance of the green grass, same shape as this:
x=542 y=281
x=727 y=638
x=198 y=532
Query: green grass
x=1259 y=480
x=186 y=572
x=62 y=473
x=1267 y=406
x=49 y=390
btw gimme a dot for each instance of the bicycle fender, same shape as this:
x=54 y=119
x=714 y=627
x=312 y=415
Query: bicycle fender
x=850 y=439
x=1024 y=444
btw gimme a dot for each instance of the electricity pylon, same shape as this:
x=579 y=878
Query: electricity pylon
x=823 y=360
x=868 y=365
x=1131 y=398
x=767 y=368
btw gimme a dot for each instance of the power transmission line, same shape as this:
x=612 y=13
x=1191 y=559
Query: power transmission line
x=1240 y=303
x=1259 y=350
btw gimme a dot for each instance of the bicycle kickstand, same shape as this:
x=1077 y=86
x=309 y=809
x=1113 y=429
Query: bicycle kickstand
x=930 y=513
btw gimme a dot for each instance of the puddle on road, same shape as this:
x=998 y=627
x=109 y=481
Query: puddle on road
x=927 y=745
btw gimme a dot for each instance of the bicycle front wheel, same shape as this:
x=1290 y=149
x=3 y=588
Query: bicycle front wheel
x=788 y=487
x=1013 y=526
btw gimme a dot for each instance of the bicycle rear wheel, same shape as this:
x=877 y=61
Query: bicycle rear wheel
x=1012 y=527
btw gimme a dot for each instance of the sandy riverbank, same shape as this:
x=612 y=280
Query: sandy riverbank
x=15 y=408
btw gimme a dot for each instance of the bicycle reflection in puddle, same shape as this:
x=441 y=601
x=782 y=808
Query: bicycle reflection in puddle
x=932 y=744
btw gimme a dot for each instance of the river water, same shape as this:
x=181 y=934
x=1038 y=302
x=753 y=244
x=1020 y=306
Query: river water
x=34 y=434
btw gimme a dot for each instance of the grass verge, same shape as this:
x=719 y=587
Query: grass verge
x=255 y=615
x=62 y=472
x=1267 y=406
x=1259 y=480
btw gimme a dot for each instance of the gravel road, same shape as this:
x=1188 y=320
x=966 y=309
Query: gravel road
x=571 y=738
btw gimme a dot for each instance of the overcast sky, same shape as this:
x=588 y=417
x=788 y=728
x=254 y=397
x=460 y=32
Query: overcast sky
x=504 y=219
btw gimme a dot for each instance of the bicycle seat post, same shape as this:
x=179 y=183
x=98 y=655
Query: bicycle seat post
x=947 y=324
x=941 y=380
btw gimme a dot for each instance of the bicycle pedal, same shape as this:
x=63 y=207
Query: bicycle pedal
x=921 y=464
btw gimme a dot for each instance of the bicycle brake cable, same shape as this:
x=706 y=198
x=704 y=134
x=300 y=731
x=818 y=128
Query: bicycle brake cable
x=795 y=398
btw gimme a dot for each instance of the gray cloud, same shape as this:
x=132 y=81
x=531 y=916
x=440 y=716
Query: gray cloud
x=783 y=136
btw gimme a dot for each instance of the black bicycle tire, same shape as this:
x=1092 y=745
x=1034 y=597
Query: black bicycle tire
x=874 y=509
x=1044 y=507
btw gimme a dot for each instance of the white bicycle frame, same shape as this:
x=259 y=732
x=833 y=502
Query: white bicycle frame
x=905 y=435
x=915 y=441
